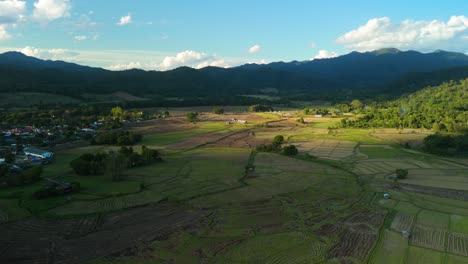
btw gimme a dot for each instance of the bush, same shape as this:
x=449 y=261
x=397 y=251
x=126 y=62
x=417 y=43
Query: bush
x=121 y=138
x=218 y=111
x=278 y=140
x=290 y=150
x=260 y=108
x=89 y=164
x=401 y=174
x=192 y=116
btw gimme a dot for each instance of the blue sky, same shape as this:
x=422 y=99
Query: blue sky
x=161 y=35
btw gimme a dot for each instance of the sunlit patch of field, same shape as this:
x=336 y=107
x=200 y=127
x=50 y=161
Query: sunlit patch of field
x=414 y=137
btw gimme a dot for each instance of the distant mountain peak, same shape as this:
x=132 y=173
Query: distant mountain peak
x=386 y=51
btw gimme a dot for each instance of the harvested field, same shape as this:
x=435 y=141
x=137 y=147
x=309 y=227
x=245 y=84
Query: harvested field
x=77 y=241
x=429 y=237
x=352 y=245
x=441 y=178
x=241 y=139
x=327 y=149
x=291 y=247
x=376 y=166
x=163 y=125
x=276 y=174
x=373 y=219
x=402 y=222
x=458 y=244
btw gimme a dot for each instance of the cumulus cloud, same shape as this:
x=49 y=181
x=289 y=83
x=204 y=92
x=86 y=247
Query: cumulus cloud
x=421 y=35
x=49 y=54
x=324 y=54
x=126 y=66
x=254 y=49
x=49 y=10
x=125 y=20
x=3 y=33
x=80 y=38
x=11 y=11
x=188 y=58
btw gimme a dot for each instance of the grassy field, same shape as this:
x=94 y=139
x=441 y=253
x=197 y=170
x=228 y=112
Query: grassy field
x=324 y=205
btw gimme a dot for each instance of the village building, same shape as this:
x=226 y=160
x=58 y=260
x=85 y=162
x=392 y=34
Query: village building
x=38 y=154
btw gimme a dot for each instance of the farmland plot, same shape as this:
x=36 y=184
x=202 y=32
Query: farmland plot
x=458 y=244
x=276 y=174
x=402 y=222
x=327 y=149
x=392 y=249
x=429 y=237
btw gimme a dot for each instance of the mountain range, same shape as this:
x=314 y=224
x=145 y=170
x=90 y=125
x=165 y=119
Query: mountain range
x=354 y=75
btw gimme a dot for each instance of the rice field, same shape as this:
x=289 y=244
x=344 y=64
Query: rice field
x=325 y=205
x=327 y=149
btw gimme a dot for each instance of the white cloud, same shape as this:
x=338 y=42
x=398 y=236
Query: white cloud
x=129 y=59
x=254 y=49
x=49 y=10
x=11 y=11
x=188 y=58
x=192 y=59
x=421 y=35
x=3 y=33
x=125 y=66
x=313 y=45
x=49 y=54
x=80 y=38
x=324 y=54
x=125 y=20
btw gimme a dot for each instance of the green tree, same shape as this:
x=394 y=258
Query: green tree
x=116 y=163
x=435 y=127
x=356 y=104
x=117 y=112
x=278 y=140
x=290 y=150
x=218 y=110
x=192 y=116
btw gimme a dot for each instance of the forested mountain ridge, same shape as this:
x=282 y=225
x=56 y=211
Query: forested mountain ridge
x=440 y=108
x=342 y=78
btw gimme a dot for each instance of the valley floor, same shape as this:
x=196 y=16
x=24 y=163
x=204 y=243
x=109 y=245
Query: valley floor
x=202 y=204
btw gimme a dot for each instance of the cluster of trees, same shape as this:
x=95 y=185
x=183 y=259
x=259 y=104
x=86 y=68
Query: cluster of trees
x=113 y=163
x=276 y=146
x=192 y=116
x=13 y=177
x=450 y=145
x=218 y=110
x=121 y=138
x=260 y=108
x=441 y=108
x=316 y=111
